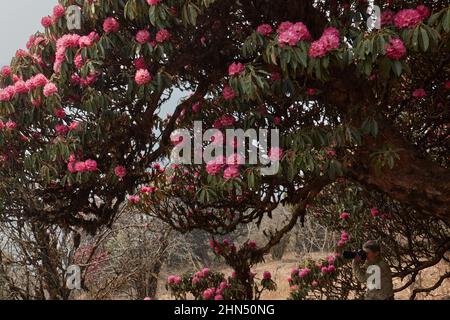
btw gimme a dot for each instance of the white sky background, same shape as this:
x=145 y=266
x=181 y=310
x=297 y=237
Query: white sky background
x=18 y=20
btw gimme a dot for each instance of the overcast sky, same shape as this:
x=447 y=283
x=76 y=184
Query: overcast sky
x=18 y=20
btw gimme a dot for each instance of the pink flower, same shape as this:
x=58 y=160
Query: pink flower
x=344 y=236
x=317 y=50
x=328 y=42
x=148 y=189
x=419 y=93
x=71 y=167
x=407 y=18
x=162 y=35
x=111 y=25
x=147 y=299
x=39 y=80
x=424 y=12
x=153 y=2
x=6 y=71
x=143 y=36
x=74 y=125
x=21 y=87
x=208 y=294
x=374 y=212
x=58 y=11
x=395 y=50
x=284 y=26
x=139 y=63
x=267 y=275
x=50 y=89
x=231 y=172
x=264 y=29
x=324 y=270
x=10 y=125
x=78 y=61
x=143 y=77
x=60 y=113
x=120 y=172
x=80 y=167
x=235 y=69
x=314 y=284
x=304 y=272
x=46 y=21
x=218 y=298
x=387 y=17
x=91 y=165
x=214 y=166
x=345 y=215
x=134 y=199
x=341 y=243
x=311 y=92
x=331 y=268
x=205 y=272
x=291 y=34
x=61 y=129
x=228 y=93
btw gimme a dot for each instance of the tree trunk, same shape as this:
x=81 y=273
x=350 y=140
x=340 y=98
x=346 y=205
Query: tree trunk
x=415 y=181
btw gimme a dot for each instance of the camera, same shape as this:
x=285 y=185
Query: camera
x=349 y=255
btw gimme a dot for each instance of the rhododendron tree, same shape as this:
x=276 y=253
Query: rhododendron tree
x=339 y=92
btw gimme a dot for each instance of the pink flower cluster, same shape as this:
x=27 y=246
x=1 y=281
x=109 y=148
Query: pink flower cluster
x=153 y=2
x=134 y=199
x=264 y=29
x=292 y=33
x=21 y=87
x=228 y=93
x=58 y=12
x=63 y=130
x=174 y=280
x=111 y=25
x=235 y=69
x=162 y=35
x=143 y=77
x=344 y=238
x=345 y=215
x=71 y=41
x=374 y=212
x=120 y=172
x=419 y=93
x=143 y=36
x=216 y=293
x=328 y=42
x=409 y=18
x=9 y=126
x=395 y=49
x=149 y=189
x=81 y=166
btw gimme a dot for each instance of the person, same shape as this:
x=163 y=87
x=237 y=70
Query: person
x=384 y=290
